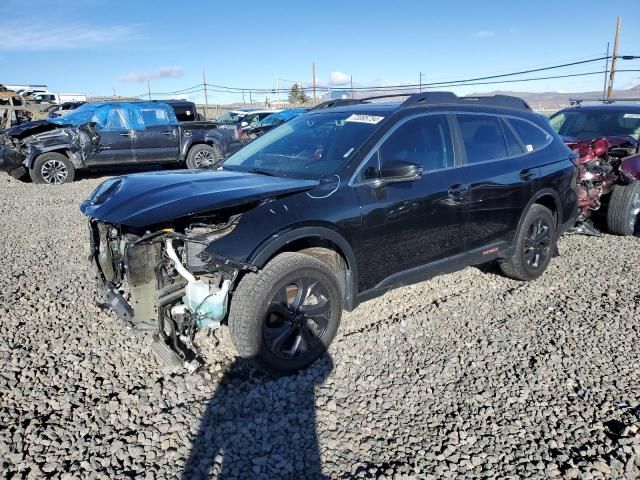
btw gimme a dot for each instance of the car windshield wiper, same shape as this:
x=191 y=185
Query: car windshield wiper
x=260 y=172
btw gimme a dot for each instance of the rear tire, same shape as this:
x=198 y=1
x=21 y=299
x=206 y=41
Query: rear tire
x=52 y=169
x=624 y=207
x=273 y=319
x=203 y=156
x=534 y=245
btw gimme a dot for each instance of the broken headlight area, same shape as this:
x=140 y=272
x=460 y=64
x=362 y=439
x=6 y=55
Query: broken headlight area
x=163 y=281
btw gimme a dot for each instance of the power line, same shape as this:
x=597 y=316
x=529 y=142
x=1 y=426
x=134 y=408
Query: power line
x=195 y=89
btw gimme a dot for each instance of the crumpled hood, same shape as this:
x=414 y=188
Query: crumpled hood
x=29 y=128
x=144 y=199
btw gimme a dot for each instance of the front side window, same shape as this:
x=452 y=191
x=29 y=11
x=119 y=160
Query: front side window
x=534 y=138
x=311 y=146
x=116 y=119
x=482 y=137
x=424 y=141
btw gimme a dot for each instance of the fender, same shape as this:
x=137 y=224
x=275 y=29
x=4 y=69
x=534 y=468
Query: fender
x=186 y=145
x=264 y=252
x=538 y=195
x=64 y=148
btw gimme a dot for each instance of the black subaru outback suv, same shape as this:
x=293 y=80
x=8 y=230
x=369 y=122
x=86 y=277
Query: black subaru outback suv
x=326 y=211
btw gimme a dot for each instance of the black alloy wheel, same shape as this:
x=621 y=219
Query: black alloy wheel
x=297 y=318
x=537 y=243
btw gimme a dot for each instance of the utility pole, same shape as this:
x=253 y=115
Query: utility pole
x=614 y=60
x=313 y=80
x=606 y=71
x=206 y=98
x=420 y=82
x=250 y=98
x=243 y=102
x=149 y=88
x=351 y=87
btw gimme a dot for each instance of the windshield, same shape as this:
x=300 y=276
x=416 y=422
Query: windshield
x=81 y=115
x=311 y=146
x=586 y=125
x=230 y=117
x=271 y=120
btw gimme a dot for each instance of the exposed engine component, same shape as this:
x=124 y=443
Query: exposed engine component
x=600 y=167
x=206 y=303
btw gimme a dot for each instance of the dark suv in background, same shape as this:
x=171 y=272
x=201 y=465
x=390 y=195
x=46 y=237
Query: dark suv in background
x=331 y=209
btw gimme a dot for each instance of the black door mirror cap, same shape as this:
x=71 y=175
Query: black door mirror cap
x=399 y=171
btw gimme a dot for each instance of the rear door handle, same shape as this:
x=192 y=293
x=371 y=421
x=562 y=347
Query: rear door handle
x=457 y=191
x=127 y=134
x=527 y=174
x=168 y=134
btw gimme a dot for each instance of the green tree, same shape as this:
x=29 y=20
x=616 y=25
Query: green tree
x=302 y=96
x=294 y=94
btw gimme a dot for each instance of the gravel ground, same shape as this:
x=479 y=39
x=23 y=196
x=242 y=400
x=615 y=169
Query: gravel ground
x=469 y=375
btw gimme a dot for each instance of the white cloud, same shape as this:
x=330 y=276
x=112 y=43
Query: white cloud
x=339 y=78
x=33 y=37
x=162 y=72
x=485 y=34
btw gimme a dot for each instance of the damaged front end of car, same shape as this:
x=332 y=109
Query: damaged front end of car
x=155 y=240
x=22 y=144
x=602 y=163
x=163 y=280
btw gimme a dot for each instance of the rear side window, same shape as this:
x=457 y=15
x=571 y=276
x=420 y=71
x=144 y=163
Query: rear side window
x=534 y=138
x=483 y=138
x=514 y=146
x=154 y=117
x=424 y=140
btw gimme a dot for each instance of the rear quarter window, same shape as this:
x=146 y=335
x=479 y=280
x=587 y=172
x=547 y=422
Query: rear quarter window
x=532 y=136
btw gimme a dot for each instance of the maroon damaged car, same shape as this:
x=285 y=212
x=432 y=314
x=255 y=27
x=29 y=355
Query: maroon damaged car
x=607 y=140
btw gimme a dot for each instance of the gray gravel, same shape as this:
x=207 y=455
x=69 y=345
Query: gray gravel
x=469 y=375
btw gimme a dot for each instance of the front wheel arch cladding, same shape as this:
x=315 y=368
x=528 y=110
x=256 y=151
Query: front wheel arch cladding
x=267 y=251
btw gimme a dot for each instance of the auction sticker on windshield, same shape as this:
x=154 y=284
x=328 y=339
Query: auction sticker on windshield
x=372 y=119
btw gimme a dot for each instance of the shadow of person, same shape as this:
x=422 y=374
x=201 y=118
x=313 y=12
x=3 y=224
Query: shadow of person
x=256 y=426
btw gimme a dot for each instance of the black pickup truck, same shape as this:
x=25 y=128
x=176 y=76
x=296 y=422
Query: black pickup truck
x=106 y=134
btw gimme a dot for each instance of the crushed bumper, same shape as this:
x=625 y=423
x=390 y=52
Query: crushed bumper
x=12 y=162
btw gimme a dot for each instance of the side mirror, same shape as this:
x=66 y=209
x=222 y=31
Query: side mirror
x=399 y=171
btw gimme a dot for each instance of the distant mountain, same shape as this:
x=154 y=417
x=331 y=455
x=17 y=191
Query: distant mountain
x=557 y=100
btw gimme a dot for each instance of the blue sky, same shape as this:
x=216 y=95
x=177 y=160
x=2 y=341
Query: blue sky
x=98 y=46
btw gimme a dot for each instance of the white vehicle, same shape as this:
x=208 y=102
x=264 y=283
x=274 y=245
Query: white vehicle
x=57 y=98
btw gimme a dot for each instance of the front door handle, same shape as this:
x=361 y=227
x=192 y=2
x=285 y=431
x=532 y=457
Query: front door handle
x=527 y=174
x=457 y=191
x=168 y=134
x=125 y=134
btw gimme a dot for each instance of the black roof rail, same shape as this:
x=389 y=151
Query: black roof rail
x=507 y=101
x=339 y=102
x=578 y=101
x=434 y=98
x=342 y=102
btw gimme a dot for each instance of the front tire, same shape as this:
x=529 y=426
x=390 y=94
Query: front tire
x=534 y=245
x=624 y=207
x=285 y=317
x=203 y=156
x=52 y=169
